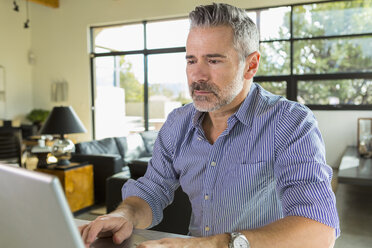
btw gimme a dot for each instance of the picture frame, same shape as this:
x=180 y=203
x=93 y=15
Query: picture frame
x=365 y=137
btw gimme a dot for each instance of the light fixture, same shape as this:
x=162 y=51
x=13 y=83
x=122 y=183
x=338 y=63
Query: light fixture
x=63 y=120
x=27 y=23
x=15 y=6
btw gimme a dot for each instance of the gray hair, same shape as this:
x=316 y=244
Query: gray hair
x=246 y=36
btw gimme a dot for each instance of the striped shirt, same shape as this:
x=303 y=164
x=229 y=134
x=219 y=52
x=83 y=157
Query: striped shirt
x=267 y=164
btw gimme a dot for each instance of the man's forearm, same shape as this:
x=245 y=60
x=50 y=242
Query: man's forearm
x=135 y=210
x=289 y=232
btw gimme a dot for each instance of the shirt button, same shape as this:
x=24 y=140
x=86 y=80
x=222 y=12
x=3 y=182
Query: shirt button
x=213 y=163
x=199 y=138
x=207 y=229
x=206 y=197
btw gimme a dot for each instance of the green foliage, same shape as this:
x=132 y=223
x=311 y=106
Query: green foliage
x=38 y=115
x=158 y=89
x=133 y=88
x=325 y=55
x=182 y=99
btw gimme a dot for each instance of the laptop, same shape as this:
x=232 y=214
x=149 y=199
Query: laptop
x=34 y=213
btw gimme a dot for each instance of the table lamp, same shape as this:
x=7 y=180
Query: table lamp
x=63 y=120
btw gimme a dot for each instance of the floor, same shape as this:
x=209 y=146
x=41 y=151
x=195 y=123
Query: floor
x=354 y=205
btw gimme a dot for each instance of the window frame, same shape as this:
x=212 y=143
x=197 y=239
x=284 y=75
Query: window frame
x=291 y=79
x=145 y=52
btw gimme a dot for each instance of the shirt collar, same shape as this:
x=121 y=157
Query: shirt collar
x=197 y=117
x=246 y=109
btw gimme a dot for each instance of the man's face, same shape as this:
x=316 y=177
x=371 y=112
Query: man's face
x=215 y=76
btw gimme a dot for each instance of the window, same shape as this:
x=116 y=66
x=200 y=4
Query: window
x=139 y=75
x=320 y=53
x=317 y=54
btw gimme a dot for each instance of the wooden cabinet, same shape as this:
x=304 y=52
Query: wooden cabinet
x=77 y=182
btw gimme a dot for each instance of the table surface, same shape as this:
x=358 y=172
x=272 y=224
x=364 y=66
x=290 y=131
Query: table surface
x=138 y=237
x=355 y=169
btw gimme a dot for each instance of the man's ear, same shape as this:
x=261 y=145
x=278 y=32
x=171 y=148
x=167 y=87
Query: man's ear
x=251 y=65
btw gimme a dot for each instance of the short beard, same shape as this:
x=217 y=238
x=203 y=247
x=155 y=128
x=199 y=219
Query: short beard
x=223 y=96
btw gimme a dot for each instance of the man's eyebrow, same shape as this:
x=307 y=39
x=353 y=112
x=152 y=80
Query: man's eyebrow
x=213 y=55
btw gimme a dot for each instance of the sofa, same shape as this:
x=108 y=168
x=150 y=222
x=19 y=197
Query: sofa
x=129 y=154
x=116 y=160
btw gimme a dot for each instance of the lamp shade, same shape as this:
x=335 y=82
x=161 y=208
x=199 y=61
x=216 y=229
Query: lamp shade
x=63 y=120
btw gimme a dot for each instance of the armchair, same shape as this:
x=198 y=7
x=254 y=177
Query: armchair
x=113 y=155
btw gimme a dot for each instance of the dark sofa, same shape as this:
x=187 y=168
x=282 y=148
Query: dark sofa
x=117 y=159
x=113 y=155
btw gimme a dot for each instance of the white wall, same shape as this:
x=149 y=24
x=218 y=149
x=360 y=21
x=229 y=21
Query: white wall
x=339 y=129
x=15 y=42
x=60 y=42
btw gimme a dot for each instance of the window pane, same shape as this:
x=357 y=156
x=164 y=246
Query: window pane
x=332 y=18
x=274 y=23
x=132 y=81
x=167 y=33
x=275 y=58
x=277 y=88
x=118 y=38
x=333 y=55
x=167 y=86
x=105 y=71
x=119 y=95
x=253 y=16
x=333 y=92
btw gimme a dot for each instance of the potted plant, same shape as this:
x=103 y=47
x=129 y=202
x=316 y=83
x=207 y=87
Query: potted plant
x=38 y=116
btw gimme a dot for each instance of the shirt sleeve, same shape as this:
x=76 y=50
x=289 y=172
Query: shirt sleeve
x=160 y=181
x=302 y=175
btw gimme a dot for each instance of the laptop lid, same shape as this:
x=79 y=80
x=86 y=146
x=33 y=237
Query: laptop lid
x=34 y=211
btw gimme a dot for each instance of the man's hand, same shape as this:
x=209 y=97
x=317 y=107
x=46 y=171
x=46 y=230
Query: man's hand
x=114 y=225
x=132 y=212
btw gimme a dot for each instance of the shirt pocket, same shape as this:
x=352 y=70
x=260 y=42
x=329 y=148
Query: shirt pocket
x=247 y=176
x=245 y=184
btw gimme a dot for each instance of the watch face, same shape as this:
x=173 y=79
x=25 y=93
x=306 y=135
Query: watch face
x=240 y=242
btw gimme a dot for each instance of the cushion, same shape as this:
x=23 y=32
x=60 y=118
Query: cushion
x=104 y=146
x=149 y=138
x=121 y=143
x=135 y=147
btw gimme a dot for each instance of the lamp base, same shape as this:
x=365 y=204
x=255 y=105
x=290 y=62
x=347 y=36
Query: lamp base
x=62 y=149
x=63 y=162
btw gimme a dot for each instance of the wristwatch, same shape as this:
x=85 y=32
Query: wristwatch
x=238 y=240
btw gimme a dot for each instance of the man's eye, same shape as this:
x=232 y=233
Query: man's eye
x=190 y=62
x=213 y=61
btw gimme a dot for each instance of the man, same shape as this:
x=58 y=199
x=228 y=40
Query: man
x=252 y=163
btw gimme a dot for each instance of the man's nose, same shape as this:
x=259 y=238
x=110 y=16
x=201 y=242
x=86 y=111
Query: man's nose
x=198 y=72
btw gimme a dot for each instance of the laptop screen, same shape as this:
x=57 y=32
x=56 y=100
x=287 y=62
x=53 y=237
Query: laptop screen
x=34 y=213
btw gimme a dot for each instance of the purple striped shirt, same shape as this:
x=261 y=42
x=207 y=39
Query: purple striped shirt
x=269 y=163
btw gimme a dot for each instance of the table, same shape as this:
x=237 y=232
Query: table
x=77 y=182
x=355 y=169
x=138 y=237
